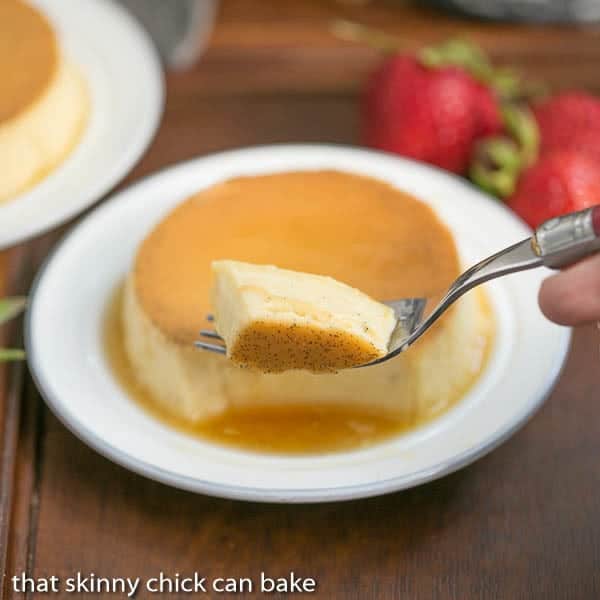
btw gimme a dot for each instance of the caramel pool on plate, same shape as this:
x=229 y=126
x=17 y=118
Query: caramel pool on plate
x=355 y=229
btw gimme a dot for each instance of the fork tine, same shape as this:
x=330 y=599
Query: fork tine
x=210 y=347
x=210 y=333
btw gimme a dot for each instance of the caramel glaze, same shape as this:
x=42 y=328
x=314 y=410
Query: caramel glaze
x=28 y=57
x=355 y=229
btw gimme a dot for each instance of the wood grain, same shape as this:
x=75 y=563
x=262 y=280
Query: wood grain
x=16 y=465
x=522 y=523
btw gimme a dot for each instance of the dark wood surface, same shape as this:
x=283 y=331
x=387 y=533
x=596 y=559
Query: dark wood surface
x=522 y=523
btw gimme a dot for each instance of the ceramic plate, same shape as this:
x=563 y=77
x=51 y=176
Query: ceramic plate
x=64 y=342
x=125 y=81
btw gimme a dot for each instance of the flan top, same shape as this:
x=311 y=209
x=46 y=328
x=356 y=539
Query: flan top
x=355 y=229
x=28 y=57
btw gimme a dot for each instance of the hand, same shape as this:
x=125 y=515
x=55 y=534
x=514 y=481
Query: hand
x=572 y=297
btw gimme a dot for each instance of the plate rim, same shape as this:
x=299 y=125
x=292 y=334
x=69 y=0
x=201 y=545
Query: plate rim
x=273 y=495
x=128 y=160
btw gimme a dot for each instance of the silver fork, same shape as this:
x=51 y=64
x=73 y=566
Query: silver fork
x=557 y=243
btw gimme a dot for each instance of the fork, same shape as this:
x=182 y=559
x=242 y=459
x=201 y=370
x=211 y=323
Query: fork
x=557 y=243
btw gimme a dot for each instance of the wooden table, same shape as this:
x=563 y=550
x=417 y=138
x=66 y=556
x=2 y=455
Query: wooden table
x=522 y=523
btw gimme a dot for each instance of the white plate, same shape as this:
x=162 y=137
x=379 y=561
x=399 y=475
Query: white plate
x=66 y=358
x=125 y=79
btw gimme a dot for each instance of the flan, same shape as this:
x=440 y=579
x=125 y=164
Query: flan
x=275 y=320
x=356 y=229
x=44 y=103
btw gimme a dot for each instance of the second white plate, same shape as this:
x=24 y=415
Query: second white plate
x=64 y=342
x=124 y=75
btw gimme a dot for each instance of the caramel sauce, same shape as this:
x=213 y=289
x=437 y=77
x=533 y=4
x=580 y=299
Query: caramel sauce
x=358 y=230
x=285 y=430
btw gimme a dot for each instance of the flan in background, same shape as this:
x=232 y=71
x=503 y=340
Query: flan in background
x=356 y=229
x=44 y=102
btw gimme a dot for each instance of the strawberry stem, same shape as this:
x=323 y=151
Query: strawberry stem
x=522 y=126
x=500 y=160
x=496 y=165
x=507 y=83
x=374 y=38
x=458 y=53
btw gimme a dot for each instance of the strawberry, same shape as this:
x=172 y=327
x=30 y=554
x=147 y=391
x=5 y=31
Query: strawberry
x=570 y=121
x=490 y=117
x=560 y=182
x=431 y=106
x=430 y=114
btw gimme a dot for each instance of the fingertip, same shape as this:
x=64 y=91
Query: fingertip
x=553 y=301
x=572 y=297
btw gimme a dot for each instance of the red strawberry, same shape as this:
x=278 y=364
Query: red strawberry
x=430 y=114
x=490 y=118
x=570 y=121
x=560 y=182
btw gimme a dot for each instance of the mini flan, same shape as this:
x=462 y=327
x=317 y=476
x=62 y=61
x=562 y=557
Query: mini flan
x=275 y=320
x=44 y=101
x=355 y=229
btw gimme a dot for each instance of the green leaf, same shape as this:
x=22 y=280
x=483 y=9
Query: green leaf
x=459 y=53
x=10 y=354
x=522 y=126
x=11 y=307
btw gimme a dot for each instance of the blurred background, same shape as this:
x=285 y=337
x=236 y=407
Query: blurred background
x=257 y=71
x=181 y=28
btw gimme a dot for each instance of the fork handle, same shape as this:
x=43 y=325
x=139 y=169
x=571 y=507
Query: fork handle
x=564 y=240
x=557 y=243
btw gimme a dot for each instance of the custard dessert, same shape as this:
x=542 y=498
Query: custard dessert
x=44 y=101
x=356 y=229
x=275 y=320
